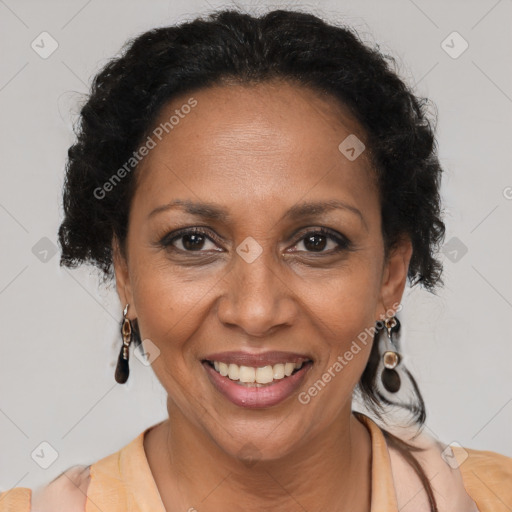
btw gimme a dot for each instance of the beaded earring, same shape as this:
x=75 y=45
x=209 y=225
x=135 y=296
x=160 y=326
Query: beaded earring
x=122 y=368
x=391 y=358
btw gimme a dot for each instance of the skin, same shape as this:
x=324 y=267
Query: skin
x=257 y=151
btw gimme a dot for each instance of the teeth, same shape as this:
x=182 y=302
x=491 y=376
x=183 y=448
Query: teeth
x=233 y=371
x=264 y=375
x=223 y=369
x=288 y=369
x=261 y=375
x=246 y=374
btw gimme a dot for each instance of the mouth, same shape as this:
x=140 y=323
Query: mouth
x=257 y=386
x=250 y=376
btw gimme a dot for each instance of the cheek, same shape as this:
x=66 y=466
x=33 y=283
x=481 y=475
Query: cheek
x=348 y=336
x=167 y=314
x=165 y=307
x=167 y=311
x=346 y=330
x=345 y=303
x=166 y=298
x=343 y=310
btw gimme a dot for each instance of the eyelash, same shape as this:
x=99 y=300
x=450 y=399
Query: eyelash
x=343 y=242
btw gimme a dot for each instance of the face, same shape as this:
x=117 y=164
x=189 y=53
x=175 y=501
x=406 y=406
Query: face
x=257 y=271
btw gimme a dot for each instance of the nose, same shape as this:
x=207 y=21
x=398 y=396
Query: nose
x=257 y=299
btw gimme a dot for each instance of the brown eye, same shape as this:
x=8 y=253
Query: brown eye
x=318 y=241
x=190 y=240
x=315 y=242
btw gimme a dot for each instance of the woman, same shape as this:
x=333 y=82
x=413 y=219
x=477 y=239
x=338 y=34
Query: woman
x=261 y=189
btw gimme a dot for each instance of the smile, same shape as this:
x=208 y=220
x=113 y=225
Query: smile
x=256 y=387
x=260 y=376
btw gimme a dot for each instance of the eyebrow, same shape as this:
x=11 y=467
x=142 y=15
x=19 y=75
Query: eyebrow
x=211 y=211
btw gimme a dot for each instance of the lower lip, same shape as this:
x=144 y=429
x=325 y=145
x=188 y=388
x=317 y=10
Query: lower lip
x=257 y=397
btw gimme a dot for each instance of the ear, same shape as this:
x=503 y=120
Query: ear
x=394 y=278
x=122 y=274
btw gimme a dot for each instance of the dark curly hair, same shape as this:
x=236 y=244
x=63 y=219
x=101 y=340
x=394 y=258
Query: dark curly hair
x=233 y=47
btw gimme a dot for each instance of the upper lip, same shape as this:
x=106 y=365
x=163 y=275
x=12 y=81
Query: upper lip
x=257 y=360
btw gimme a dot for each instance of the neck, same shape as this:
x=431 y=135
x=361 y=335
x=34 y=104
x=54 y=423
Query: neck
x=330 y=471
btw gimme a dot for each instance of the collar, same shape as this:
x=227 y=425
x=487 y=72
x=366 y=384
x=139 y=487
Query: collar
x=136 y=473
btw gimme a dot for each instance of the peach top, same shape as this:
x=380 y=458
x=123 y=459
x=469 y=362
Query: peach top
x=465 y=480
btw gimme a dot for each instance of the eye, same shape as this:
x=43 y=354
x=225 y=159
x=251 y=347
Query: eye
x=188 y=240
x=318 y=240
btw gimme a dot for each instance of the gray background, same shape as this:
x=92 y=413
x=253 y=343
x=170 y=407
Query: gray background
x=59 y=330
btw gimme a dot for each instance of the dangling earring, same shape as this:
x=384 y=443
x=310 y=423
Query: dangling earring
x=391 y=358
x=122 y=368
x=386 y=374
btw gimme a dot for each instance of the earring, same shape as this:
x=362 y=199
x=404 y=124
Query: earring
x=391 y=359
x=122 y=368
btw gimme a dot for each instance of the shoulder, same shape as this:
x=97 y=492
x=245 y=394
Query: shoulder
x=66 y=493
x=17 y=498
x=444 y=478
x=487 y=476
x=494 y=463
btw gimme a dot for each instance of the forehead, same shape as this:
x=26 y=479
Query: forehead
x=255 y=142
